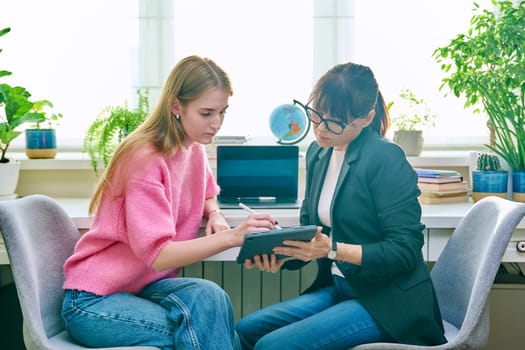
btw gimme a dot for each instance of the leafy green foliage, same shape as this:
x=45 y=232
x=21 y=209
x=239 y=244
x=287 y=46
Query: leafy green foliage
x=51 y=119
x=18 y=109
x=410 y=112
x=486 y=66
x=110 y=127
x=4 y=31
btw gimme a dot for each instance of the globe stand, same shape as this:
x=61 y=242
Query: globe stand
x=293 y=142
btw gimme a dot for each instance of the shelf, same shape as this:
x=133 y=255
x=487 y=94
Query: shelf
x=63 y=161
x=81 y=161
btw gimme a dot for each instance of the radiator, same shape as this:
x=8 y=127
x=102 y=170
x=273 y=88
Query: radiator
x=250 y=290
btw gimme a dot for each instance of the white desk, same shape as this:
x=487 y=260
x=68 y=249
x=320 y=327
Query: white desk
x=264 y=289
x=440 y=220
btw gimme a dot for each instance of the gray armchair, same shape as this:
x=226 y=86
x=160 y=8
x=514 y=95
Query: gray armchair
x=464 y=273
x=39 y=236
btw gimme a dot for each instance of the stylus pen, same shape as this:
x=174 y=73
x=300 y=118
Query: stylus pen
x=250 y=210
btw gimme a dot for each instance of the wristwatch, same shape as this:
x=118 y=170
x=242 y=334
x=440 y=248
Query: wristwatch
x=333 y=252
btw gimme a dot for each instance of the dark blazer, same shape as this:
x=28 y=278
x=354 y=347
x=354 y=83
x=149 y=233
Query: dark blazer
x=375 y=204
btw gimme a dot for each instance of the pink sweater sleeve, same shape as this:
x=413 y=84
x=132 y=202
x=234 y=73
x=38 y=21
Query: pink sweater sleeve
x=167 y=202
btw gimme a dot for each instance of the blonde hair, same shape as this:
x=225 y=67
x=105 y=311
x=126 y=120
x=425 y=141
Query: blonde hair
x=189 y=79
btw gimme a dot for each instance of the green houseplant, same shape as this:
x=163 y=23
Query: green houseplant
x=489 y=179
x=486 y=66
x=110 y=127
x=41 y=137
x=16 y=109
x=409 y=115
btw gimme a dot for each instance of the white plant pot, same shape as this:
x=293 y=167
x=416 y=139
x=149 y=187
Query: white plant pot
x=9 y=174
x=411 y=141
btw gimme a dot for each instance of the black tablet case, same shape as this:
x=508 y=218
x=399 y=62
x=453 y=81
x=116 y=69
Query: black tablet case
x=258 y=243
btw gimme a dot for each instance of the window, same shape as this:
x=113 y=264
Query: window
x=265 y=47
x=84 y=55
x=397 y=39
x=77 y=54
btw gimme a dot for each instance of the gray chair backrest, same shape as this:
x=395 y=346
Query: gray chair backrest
x=39 y=236
x=464 y=272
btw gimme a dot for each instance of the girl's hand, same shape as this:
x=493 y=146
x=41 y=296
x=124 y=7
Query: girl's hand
x=216 y=223
x=318 y=247
x=255 y=222
x=266 y=263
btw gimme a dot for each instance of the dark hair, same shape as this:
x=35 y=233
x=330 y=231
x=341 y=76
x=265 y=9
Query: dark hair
x=349 y=91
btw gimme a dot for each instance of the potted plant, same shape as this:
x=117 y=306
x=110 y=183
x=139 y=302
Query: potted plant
x=486 y=66
x=409 y=116
x=110 y=127
x=489 y=179
x=41 y=137
x=15 y=110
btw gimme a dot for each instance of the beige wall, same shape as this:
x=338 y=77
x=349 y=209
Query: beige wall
x=80 y=183
x=57 y=183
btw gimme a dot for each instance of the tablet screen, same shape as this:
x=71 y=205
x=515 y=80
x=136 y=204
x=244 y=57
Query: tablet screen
x=258 y=243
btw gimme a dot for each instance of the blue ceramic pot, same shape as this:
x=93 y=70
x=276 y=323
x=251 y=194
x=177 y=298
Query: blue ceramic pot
x=490 y=181
x=518 y=181
x=41 y=143
x=518 y=186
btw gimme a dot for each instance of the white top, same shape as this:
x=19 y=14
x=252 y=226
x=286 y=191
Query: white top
x=327 y=193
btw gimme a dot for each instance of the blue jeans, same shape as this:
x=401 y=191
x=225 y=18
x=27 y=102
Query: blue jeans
x=173 y=313
x=328 y=318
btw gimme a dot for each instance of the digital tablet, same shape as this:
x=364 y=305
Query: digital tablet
x=258 y=243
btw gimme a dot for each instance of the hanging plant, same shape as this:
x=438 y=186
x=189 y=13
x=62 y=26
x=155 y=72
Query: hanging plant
x=110 y=127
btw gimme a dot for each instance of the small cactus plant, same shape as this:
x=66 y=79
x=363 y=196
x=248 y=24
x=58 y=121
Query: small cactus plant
x=488 y=162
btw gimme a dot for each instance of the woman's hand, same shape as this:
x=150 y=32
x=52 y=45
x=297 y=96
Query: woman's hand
x=317 y=248
x=266 y=263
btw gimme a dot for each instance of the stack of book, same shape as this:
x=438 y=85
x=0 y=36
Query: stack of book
x=231 y=139
x=441 y=186
x=211 y=149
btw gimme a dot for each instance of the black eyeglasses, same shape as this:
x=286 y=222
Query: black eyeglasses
x=334 y=126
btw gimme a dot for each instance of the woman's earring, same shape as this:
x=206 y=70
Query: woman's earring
x=176 y=116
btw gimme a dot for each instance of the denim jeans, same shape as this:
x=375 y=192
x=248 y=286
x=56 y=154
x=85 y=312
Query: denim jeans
x=173 y=313
x=328 y=318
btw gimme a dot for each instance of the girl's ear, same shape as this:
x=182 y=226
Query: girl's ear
x=369 y=118
x=175 y=107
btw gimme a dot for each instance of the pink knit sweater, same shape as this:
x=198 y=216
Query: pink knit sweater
x=164 y=202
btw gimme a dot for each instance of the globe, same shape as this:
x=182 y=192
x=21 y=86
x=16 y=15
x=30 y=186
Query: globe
x=289 y=124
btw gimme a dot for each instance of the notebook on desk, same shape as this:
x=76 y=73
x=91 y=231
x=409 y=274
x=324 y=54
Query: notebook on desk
x=258 y=176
